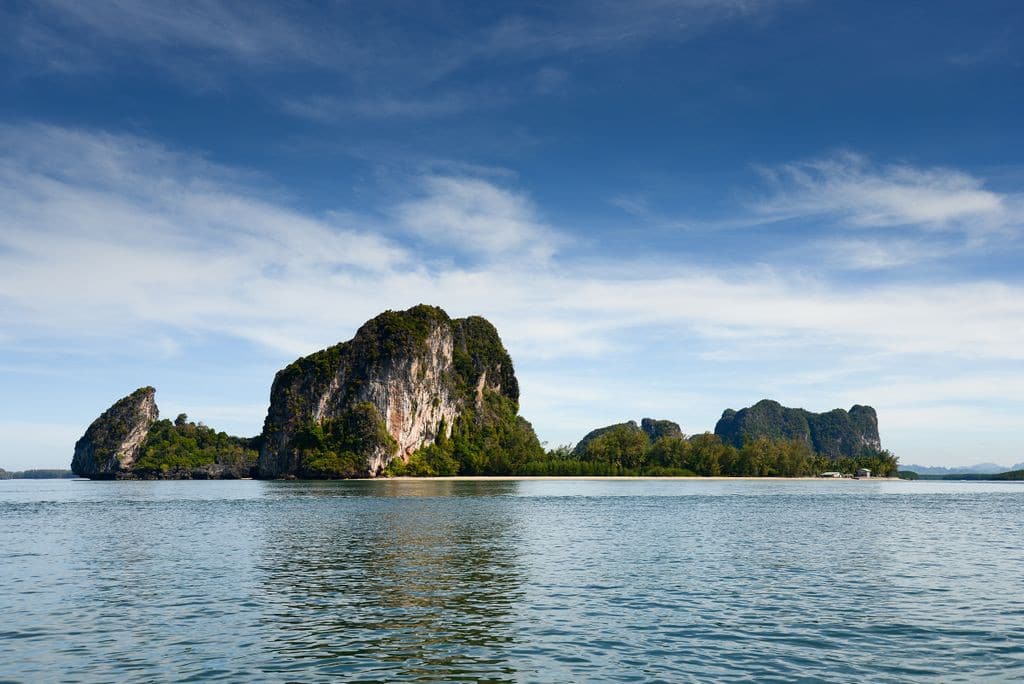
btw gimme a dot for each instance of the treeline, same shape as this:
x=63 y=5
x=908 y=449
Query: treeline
x=37 y=474
x=622 y=451
x=183 y=446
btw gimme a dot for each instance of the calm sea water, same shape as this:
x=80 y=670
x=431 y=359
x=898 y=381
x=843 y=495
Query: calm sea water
x=511 y=581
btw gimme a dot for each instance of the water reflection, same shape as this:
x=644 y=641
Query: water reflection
x=418 y=578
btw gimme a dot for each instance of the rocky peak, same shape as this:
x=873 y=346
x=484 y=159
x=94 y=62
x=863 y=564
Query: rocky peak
x=656 y=429
x=112 y=442
x=652 y=427
x=834 y=433
x=404 y=378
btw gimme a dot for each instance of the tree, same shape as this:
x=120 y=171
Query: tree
x=621 y=446
x=669 y=452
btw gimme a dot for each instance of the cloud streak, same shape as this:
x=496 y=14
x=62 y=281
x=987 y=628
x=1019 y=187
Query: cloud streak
x=116 y=231
x=847 y=188
x=346 y=50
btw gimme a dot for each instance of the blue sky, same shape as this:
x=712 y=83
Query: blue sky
x=667 y=208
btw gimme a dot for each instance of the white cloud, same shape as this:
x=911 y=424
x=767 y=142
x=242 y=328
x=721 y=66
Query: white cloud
x=250 y=32
x=328 y=108
x=475 y=216
x=856 y=253
x=110 y=234
x=849 y=189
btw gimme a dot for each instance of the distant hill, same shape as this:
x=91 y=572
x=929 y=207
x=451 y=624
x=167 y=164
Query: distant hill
x=39 y=474
x=1012 y=475
x=835 y=434
x=977 y=469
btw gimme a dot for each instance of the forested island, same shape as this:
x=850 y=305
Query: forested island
x=1008 y=476
x=36 y=474
x=417 y=393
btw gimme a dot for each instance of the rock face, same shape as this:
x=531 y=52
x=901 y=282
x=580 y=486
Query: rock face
x=654 y=429
x=835 y=433
x=403 y=380
x=112 y=442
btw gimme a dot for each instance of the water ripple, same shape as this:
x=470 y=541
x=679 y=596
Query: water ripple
x=511 y=581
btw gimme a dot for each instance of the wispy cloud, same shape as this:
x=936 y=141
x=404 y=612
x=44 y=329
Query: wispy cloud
x=263 y=32
x=114 y=233
x=633 y=204
x=998 y=49
x=253 y=33
x=355 y=48
x=329 y=108
x=873 y=254
x=471 y=215
x=849 y=189
x=604 y=25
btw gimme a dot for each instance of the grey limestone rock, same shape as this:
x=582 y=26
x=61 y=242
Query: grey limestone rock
x=111 y=443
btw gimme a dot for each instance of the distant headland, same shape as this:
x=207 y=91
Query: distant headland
x=36 y=474
x=417 y=393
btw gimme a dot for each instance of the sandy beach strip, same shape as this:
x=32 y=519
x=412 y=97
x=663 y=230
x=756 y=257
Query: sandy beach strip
x=613 y=478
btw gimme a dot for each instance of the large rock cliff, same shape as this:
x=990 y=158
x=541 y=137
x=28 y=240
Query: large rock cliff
x=401 y=384
x=835 y=433
x=112 y=442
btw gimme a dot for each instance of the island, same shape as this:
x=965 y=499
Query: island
x=417 y=393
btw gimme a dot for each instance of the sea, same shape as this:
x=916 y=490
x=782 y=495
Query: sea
x=512 y=581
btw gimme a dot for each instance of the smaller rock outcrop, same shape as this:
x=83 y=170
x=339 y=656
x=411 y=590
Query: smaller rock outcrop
x=112 y=442
x=129 y=442
x=656 y=429
x=653 y=428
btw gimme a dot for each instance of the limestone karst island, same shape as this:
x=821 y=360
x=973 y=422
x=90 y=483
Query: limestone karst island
x=417 y=393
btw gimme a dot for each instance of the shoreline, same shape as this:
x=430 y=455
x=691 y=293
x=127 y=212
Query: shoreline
x=612 y=478
x=498 y=478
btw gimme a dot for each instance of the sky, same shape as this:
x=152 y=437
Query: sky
x=667 y=207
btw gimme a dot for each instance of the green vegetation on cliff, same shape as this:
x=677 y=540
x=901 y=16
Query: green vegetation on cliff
x=337 y=447
x=403 y=374
x=182 y=446
x=489 y=440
